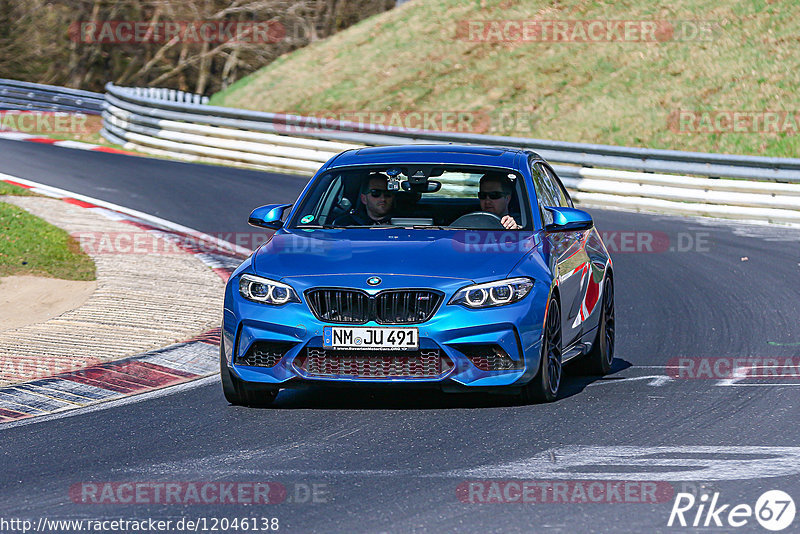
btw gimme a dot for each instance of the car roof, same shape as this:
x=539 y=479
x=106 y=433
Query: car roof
x=492 y=156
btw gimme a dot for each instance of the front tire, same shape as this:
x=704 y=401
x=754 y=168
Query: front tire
x=544 y=387
x=240 y=393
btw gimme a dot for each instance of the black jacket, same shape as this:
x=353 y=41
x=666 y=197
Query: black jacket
x=359 y=217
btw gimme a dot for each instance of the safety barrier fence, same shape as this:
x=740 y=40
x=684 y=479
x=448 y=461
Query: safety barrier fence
x=24 y=96
x=182 y=125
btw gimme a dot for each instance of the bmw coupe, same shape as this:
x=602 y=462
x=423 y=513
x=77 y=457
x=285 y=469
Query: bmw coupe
x=462 y=268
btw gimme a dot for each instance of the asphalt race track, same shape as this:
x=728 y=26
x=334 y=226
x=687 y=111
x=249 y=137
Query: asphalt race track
x=383 y=461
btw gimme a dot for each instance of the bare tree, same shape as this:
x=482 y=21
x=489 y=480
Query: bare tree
x=49 y=41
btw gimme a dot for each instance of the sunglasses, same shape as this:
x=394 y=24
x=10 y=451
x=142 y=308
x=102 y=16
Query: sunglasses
x=378 y=192
x=494 y=195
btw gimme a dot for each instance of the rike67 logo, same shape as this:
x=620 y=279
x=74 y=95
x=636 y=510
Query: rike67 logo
x=774 y=510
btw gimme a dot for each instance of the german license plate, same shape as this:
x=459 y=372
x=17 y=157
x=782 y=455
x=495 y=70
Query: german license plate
x=364 y=337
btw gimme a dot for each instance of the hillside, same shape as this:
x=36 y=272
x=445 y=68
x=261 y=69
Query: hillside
x=622 y=89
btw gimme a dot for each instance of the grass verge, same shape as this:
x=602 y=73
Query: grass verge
x=8 y=189
x=29 y=245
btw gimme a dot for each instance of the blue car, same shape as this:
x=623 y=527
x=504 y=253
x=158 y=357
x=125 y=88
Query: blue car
x=462 y=268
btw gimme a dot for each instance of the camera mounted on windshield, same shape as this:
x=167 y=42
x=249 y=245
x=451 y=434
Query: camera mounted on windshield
x=417 y=179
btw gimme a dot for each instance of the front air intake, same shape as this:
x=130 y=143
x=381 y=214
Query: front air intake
x=489 y=357
x=327 y=363
x=264 y=354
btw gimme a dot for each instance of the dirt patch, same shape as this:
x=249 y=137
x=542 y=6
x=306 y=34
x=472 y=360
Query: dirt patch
x=26 y=300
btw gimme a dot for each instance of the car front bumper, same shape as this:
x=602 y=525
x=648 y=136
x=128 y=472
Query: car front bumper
x=453 y=331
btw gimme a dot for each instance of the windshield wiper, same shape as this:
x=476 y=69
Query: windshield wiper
x=371 y=226
x=405 y=227
x=374 y=226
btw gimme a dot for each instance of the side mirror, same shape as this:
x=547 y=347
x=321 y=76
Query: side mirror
x=268 y=216
x=568 y=220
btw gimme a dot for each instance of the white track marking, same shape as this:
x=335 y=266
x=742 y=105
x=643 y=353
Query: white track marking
x=750 y=371
x=705 y=463
x=76 y=144
x=655 y=380
x=738 y=385
x=739 y=373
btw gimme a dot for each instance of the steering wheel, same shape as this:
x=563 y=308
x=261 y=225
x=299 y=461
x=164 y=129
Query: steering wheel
x=480 y=220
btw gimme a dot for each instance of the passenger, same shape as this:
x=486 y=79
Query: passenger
x=495 y=195
x=377 y=203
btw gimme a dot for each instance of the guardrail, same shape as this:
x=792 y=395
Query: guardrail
x=25 y=96
x=182 y=125
x=689 y=183
x=171 y=95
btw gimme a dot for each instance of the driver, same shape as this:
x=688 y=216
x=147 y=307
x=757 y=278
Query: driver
x=495 y=194
x=377 y=203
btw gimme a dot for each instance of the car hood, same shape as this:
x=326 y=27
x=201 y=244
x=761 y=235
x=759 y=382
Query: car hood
x=456 y=254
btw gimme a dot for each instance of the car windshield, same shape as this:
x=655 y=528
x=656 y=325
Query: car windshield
x=418 y=197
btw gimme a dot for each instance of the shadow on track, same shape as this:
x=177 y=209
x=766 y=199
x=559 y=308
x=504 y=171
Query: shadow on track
x=405 y=398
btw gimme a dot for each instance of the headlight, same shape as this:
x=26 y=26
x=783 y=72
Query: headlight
x=267 y=291
x=492 y=294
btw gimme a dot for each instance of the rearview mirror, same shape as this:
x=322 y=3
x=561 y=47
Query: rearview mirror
x=431 y=186
x=268 y=216
x=568 y=220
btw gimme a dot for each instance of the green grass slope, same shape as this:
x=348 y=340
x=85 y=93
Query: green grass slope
x=31 y=246
x=624 y=93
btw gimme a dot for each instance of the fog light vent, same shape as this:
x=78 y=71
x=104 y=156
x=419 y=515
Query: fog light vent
x=489 y=357
x=264 y=354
